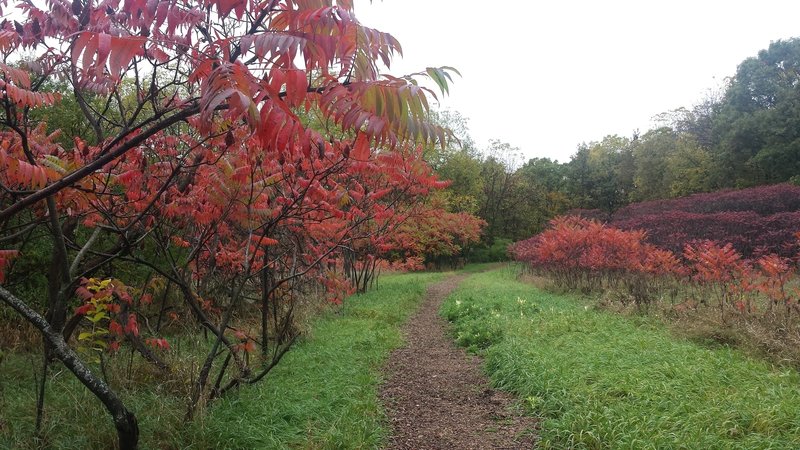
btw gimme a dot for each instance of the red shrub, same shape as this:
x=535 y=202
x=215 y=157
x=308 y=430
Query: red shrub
x=712 y=263
x=582 y=252
x=775 y=274
x=755 y=221
x=763 y=200
x=750 y=234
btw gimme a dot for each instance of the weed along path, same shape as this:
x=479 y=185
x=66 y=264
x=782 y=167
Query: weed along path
x=436 y=394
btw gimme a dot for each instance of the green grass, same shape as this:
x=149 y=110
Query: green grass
x=601 y=380
x=479 y=267
x=323 y=394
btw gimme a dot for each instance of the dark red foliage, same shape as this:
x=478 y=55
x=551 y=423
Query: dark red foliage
x=755 y=221
x=749 y=233
x=763 y=200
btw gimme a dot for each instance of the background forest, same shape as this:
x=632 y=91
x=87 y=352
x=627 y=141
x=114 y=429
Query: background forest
x=745 y=134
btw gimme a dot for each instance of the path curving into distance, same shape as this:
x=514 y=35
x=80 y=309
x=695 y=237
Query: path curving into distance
x=436 y=395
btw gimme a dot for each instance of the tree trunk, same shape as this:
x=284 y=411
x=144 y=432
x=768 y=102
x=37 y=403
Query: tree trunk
x=124 y=420
x=266 y=291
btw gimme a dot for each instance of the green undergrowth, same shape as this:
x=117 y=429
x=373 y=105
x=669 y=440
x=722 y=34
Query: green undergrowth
x=600 y=380
x=480 y=267
x=322 y=395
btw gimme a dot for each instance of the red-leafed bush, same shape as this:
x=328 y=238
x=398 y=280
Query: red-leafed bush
x=433 y=234
x=756 y=221
x=583 y=253
x=722 y=271
x=579 y=253
x=774 y=277
x=663 y=263
x=750 y=234
x=763 y=200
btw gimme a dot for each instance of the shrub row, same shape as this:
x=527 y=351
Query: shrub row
x=579 y=253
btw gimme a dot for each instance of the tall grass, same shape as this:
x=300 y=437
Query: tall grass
x=601 y=381
x=323 y=394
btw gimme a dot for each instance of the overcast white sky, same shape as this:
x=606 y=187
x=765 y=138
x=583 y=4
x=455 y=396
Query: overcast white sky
x=546 y=76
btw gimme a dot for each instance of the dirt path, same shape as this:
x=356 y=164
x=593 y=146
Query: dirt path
x=436 y=395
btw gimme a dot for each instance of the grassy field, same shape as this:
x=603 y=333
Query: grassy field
x=601 y=381
x=322 y=395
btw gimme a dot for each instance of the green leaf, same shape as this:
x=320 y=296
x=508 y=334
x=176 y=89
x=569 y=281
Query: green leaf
x=98 y=317
x=436 y=75
x=85 y=335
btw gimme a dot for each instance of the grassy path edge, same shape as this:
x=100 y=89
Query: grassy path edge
x=323 y=394
x=600 y=380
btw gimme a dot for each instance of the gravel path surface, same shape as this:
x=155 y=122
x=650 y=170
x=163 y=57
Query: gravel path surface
x=436 y=395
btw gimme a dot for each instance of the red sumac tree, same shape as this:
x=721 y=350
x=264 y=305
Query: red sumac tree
x=200 y=168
